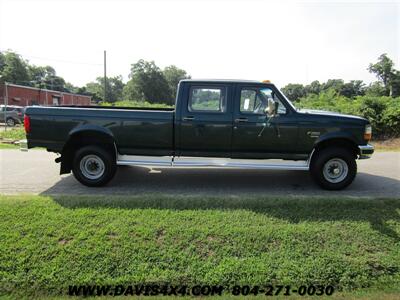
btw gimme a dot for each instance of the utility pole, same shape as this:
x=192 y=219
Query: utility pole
x=105 y=76
x=44 y=86
x=5 y=106
x=47 y=101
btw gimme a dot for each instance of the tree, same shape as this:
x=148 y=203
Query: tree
x=70 y=88
x=335 y=84
x=148 y=82
x=313 y=88
x=14 y=69
x=2 y=62
x=96 y=90
x=375 y=89
x=294 y=91
x=132 y=92
x=173 y=75
x=114 y=86
x=353 y=88
x=349 y=89
x=46 y=77
x=383 y=69
x=395 y=84
x=117 y=87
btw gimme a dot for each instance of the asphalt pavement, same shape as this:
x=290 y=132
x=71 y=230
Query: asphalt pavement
x=36 y=172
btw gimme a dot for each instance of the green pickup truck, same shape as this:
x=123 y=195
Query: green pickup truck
x=215 y=123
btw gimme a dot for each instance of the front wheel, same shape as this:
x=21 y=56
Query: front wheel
x=93 y=166
x=333 y=168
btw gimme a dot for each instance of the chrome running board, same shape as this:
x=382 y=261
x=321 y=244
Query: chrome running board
x=216 y=162
x=138 y=160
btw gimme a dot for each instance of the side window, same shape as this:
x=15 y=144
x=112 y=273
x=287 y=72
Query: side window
x=255 y=101
x=252 y=101
x=270 y=94
x=205 y=99
x=248 y=100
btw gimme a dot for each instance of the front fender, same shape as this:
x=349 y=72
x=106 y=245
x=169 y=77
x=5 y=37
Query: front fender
x=342 y=135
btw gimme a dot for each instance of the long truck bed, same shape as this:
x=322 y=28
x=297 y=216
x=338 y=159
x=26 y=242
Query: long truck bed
x=135 y=130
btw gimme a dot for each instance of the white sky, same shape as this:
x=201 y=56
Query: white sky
x=284 y=41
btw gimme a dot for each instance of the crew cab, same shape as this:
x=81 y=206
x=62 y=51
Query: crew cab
x=215 y=123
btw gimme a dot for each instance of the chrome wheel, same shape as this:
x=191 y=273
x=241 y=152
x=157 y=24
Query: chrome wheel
x=335 y=170
x=92 y=166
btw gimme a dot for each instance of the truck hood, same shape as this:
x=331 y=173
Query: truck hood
x=328 y=113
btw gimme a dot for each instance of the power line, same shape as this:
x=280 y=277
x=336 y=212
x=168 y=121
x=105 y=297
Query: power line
x=56 y=60
x=36 y=82
x=65 y=61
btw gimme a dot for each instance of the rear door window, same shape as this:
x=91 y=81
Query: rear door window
x=207 y=99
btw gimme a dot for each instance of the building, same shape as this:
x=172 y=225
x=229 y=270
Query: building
x=26 y=96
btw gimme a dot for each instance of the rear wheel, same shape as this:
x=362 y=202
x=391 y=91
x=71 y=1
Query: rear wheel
x=333 y=168
x=10 y=122
x=93 y=166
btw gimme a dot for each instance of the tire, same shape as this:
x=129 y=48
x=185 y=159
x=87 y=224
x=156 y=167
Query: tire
x=93 y=166
x=10 y=122
x=333 y=168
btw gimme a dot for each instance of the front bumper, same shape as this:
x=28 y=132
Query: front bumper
x=365 y=151
x=23 y=145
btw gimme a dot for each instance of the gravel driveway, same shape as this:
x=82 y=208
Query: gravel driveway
x=36 y=172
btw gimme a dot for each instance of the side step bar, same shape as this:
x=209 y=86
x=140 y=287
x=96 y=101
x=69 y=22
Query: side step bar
x=169 y=161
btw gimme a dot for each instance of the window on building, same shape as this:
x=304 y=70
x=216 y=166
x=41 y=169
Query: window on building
x=56 y=100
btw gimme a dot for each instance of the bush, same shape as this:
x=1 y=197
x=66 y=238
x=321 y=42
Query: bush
x=383 y=112
x=329 y=100
x=391 y=118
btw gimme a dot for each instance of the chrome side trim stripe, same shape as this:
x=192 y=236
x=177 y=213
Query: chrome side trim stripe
x=168 y=161
x=137 y=160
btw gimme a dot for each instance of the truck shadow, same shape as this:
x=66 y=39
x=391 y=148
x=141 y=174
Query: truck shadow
x=210 y=181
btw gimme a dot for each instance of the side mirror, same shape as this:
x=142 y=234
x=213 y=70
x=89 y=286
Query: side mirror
x=272 y=107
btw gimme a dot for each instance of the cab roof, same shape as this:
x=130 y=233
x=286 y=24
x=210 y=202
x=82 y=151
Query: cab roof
x=223 y=81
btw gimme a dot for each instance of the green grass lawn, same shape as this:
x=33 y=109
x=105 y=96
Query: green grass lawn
x=17 y=133
x=8 y=146
x=48 y=243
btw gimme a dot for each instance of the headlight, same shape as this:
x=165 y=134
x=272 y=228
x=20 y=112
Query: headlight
x=368 y=132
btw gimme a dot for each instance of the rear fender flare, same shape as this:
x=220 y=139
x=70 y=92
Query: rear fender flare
x=85 y=135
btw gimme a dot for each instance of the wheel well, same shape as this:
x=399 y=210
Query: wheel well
x=337 y=142
x=81 y=139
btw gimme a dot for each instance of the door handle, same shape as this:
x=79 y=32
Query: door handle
x=241 y=120
x=189 y=118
